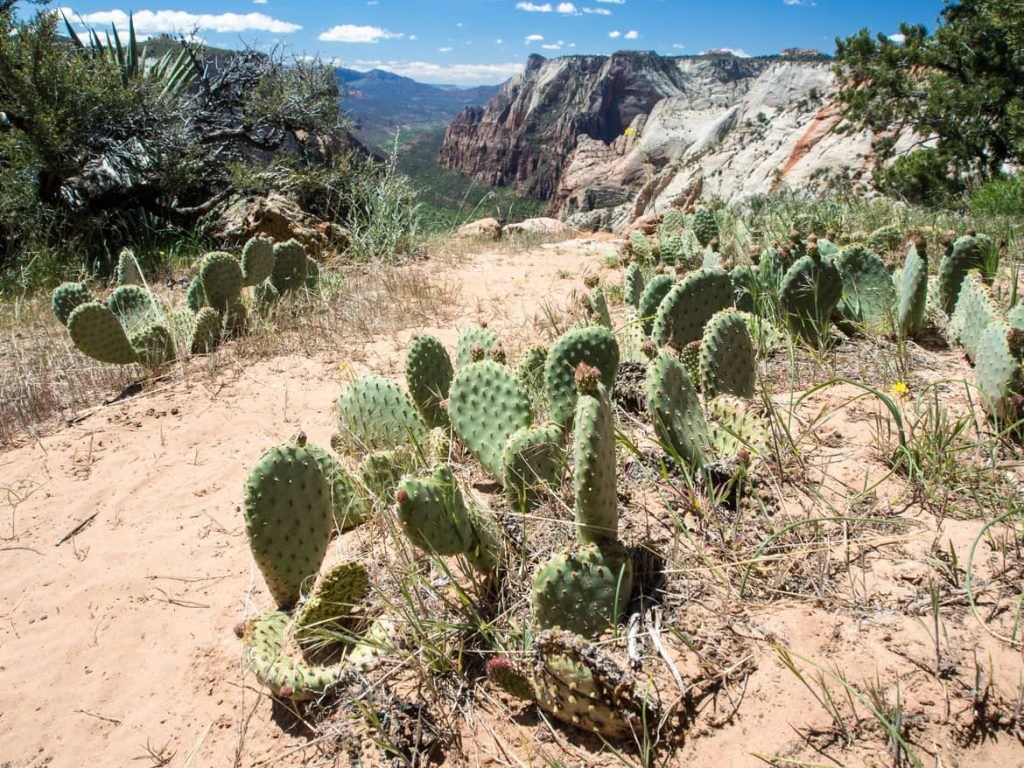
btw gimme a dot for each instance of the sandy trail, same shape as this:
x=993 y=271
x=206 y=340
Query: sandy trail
x=122 y=636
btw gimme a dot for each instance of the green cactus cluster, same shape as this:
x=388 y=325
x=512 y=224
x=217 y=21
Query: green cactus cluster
x=476 y=339
x=869 y=293
x=810 y=291
x=999 y=369
x=374 y=414
x=689 y=305
x=975 y=309
x=970 y=252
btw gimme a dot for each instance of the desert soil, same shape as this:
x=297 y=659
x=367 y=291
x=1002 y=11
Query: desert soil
x=116 y=645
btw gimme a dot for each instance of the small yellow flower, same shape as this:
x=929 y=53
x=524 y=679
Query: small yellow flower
x=629 y=131
x=900 y=389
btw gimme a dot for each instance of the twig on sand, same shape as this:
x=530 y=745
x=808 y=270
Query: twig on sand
x=78 y=527
x=113 y=720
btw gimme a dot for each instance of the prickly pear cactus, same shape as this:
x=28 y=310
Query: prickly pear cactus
x=375 y=414
x=770 y=271
x=264 y=297
x=487 y=405
x=631 y=338
x=153 y=344
x=811 y=290
x=672 y=249
x=672 y=221
x=205 y=332
x=689 y=356
x=575 y=681
x=654 y=293
x=639 y=248
x=288 y=519
x=633 y=286
x=1015 y=317
x=66 y=298
x=221 y=277
x=127 y=271
x=912 y=302
x=886 y=238
x=428 y=374
x=594 y=345
x=686 y=309
x=869 y=294
x=675 y=410
x=257 y=261
x=596 y=499
x=336 y=604
x=597 y=305
x=195 y=296
x=530 y=369
x=98 y=333
x=435 y=517
x=734 y=426
x=999 y=369
x=290 y=267
x=131 y=304
x=975 y=309
x=474 y=336
x=381 y=471
x=265 y=642
x=705 y=227
x=584 y=591
x=745 y=287
x=348 y=507
x=967 y=253
x=727 y=364
x=533 y=461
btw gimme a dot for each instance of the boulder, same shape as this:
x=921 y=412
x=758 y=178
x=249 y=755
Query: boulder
x=482 y=229
x=277 y=217
x=548 y=229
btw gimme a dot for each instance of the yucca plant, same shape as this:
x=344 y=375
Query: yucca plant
x=174 y=70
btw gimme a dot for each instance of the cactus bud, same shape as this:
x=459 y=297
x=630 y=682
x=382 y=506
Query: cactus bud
x=587 y=378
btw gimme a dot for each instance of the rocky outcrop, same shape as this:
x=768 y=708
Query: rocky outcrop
x=481 y=229
x=541 y=229
x=277 y=217
x=609 y=139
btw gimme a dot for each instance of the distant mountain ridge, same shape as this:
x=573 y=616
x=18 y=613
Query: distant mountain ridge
x=381 y=103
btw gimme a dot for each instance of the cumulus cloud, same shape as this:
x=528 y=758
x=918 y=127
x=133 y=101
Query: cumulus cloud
x=446 y=49
x=354 y=33
x=612 y=2
x=567 y=8
x=430 y=72
x=738 y=52
x=534 y=38
x=899 y=38
x=632 y=35
x=170 y=22
x=534 y=7
x=614 y=34
x=799 y=2
x=597 y=11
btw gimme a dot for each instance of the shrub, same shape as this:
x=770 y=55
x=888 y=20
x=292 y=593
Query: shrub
x=922 y=177
x=999 y=197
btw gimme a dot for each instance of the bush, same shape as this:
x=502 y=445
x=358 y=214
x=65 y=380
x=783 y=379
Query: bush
x=999 y=197
x=922 y=177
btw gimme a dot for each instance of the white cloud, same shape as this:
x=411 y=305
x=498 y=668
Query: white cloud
x=678 y=46
x=534 y=38
x=414 y=37
x=899 y=38
x=597 y=11
x=567 y=8
x=353 y=33
x=499 y=41
x=429 y=72
x=259 y=2
x=534 y=7
x=799 y=2
x=632 y=35
x=446 y=49
x=614 y=34
x=612 y=2
x=159 y=22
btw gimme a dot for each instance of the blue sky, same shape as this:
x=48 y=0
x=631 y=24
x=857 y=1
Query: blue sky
x=485 y=41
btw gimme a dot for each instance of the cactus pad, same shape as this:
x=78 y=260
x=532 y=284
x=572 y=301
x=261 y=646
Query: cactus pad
x=596 y=499
x=675 y=410
x=811 y=289
x=206 y=331
x=290 y=267
x=68 y=297
x=288 y=519
x=487 y=404
x=1000 y=370
x=586 y=591
x=967 y=253
x=633 y=286
x=869 y=294
x=727 y=364
x=594 y=345
x=428 y=374
x=285 y=675
x=597 y=305
x=97 y=333
x=336 y=604
x=912 y=300
x=221 y=276
x=533 y=460
x=686 y=309
x=375 y=414
x=473 y=336
x=654 y=293
x=975 y=309
x=195 y=296
x=257 y=261
x=381 y=471
x=153 y=344
x=735 y=425
x=130 y=304
x=705 y=227
x=127 y=271
x=347 y=504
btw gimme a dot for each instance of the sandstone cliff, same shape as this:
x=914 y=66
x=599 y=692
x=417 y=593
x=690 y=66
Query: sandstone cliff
x=607 y=139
